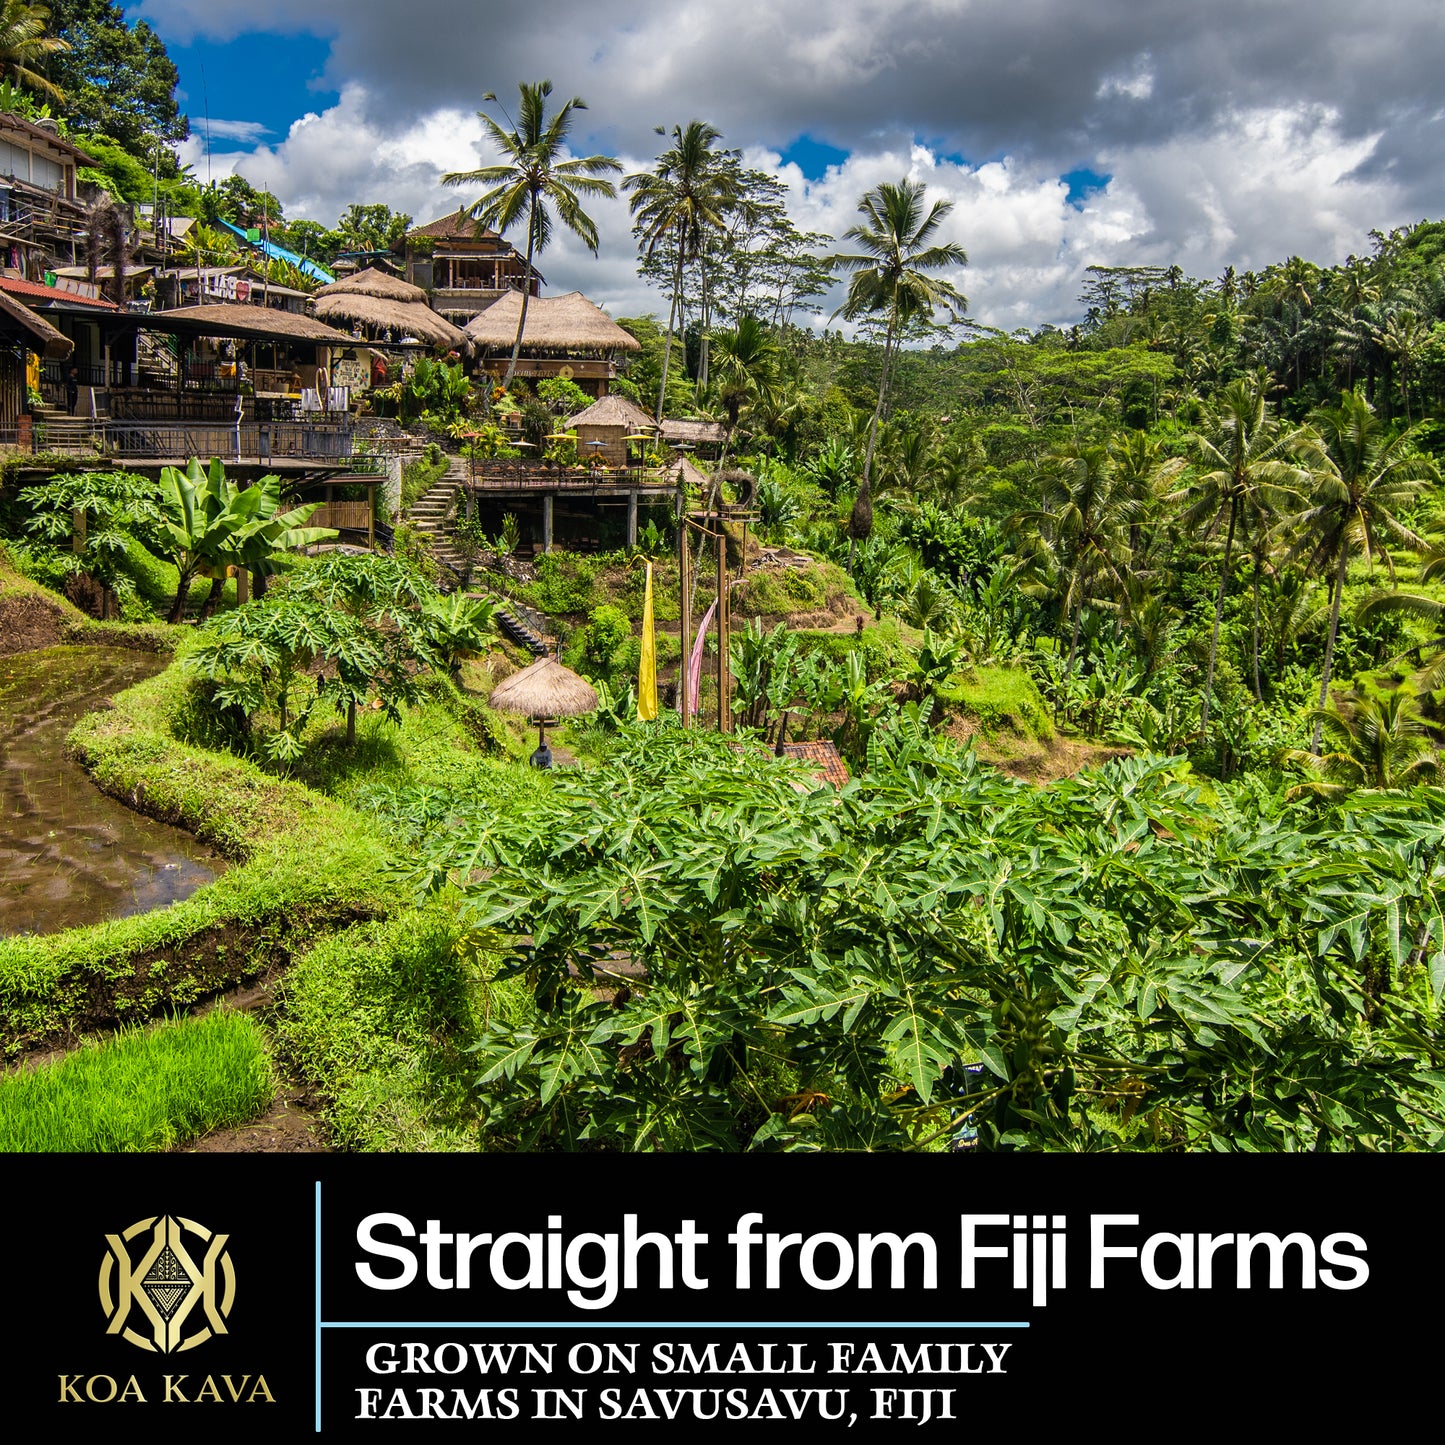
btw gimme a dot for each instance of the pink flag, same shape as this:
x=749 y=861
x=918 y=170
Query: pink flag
x=694 y=669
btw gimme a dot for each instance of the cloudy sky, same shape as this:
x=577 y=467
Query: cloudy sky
x=1066 y=133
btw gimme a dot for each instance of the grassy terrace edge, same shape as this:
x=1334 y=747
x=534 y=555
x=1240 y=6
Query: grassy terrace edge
x=308 y=865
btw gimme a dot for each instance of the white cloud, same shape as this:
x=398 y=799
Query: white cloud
x=1135 y=84
x=249 y=132
x=1233 y=135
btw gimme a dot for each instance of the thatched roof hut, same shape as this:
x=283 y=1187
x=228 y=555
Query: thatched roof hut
x=377 y=302
x=613 y=410
x=545 y=689
x=565 y=325
x=603 y=428
x=380 y=284
x=693 y=432
x=234 y=318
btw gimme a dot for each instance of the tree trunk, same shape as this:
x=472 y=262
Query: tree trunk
x=212 y=604
x=1340 y=569
x=526 y=295
x=1214 y=637
x=183 y=591
x=860 y=523
x=667 y=345
x=702 y=342
x=1254 y=640
x=351 y=722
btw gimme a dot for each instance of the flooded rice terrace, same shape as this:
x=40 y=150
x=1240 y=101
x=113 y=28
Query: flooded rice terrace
x=69 y=855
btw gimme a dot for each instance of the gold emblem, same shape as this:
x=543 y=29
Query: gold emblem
x=159 y=1276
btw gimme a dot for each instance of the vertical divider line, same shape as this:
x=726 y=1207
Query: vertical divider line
x=318 y=1307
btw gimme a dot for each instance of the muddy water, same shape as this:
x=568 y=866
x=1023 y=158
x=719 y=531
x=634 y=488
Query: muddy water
x=68 y=854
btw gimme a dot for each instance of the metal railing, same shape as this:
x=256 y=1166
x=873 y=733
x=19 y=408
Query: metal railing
x=54 y=373
x=263 y=441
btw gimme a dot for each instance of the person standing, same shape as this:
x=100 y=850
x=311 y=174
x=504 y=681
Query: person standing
x=72 y=389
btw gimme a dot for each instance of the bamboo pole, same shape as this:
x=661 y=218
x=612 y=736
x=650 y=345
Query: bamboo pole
x=724 y=677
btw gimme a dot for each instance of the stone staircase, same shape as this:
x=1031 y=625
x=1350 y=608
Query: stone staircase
x=429 y=514
x=515 y=623
x=57 y=431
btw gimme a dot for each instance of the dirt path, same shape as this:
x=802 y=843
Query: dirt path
x=289 y=1126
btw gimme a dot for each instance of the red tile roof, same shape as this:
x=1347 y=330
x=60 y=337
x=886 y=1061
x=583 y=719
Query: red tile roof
x=16 y=287
x=827 y=762
x=456 y=227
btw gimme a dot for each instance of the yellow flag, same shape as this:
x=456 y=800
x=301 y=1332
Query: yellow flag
x=647 y=668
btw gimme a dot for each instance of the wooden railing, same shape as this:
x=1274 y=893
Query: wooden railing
x=344 y=516
x=510 y=476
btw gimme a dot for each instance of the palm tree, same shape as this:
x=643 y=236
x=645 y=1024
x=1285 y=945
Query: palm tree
x=746 y=364
x=1429 y=656
x=686 y=194
x=23 y=43
x=1082 y=527
x=1249 y=467
x=889 y=279
x=1403 y=337
x=1367 y=477
x=1375 y=743
x=533 y=178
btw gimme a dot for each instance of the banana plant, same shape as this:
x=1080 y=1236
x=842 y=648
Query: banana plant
x=460 y=627
x=209 y=523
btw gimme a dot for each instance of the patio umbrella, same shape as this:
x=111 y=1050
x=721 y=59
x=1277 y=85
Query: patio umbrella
x=544 y=690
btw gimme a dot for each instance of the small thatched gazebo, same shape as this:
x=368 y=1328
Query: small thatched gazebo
x=604 y=427
x=544 y=690
x=378 y=303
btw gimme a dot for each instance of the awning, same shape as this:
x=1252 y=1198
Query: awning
x=39 y=335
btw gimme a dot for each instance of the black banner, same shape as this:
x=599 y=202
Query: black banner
x=279 y=1297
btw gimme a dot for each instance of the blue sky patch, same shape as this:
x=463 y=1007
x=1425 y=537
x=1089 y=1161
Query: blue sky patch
x=1080 y=182
x=265 y=80
x=813 y=157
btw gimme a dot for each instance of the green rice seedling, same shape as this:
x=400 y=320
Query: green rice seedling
x=140 y=1089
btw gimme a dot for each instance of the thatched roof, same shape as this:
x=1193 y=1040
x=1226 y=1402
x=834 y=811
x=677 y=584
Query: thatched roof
x=228 y=318
x=380 y=284
x=698 y=433
x=691 y=475
x=404 y=310
x=37 y=333
x=613 y=410
x=545 y=689
x=554 y=324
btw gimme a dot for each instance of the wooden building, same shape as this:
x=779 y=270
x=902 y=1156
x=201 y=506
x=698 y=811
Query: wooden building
x=101 y=334
x=41 y=212
x=463 y=267
x=604 y=428
x=564 y=336
x=23 y=334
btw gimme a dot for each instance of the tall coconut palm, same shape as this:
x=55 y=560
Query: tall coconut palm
x=1248 y=466
x=890 y=280
x=686 y=194
x=1367 y=478
x=533 y=180
x=746 y=366
x=1082 y=528
x=24 y=44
